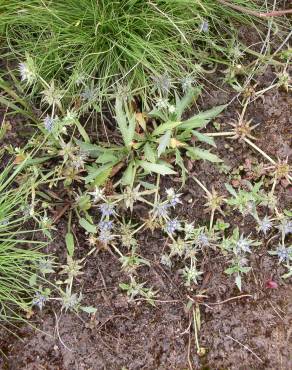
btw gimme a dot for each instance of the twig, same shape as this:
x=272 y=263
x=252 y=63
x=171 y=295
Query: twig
x=109 y=319
x=61 y=213
x=248 y=349
x=58 y=333
x=275 y=13
x=231 y=299
x=189 y=347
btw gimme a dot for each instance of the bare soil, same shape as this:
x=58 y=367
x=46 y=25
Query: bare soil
x=245 y=332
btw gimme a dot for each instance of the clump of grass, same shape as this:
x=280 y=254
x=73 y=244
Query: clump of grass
x=129 y=42
x=19 y=256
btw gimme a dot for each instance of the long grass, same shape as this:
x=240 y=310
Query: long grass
x=19 y=256
x=128 y=42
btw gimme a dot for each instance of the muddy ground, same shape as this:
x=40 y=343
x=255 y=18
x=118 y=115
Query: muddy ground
x=249 y=332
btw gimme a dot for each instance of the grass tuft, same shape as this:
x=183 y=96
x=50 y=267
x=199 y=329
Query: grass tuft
x=129 y=42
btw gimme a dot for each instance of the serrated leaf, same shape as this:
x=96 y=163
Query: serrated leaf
x=165 y=127
x=124 y=286
x=182 y=104
x=125 y=123
x=230 y=189
x=82 y=131
x=93 y=150
x=238 y=281
x=102 y=178
x=201 y=119
x=204 y=138
x=161 y=169
x=88 y=309
x=147 y=185
x=149 y=153
x=129 y=174
x=107 y=157
x=288 y=213
x=157 y=114
x=230 y=270
x=163 y=143
x=95 y=173
x=69 y=239
x=87 y=226
x=196 y=153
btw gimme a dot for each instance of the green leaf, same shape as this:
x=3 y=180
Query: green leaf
x=88 y=309
x=163 y=143
x=107 y=157
x=230 y=189
x=231 y=270
x=147 y=185
x=98 y=174
x=165 y=127
x=182 y=104
x=204 y=138
x=82 y=131
x=124 y=286
x=93 y=150
x=33 y=280
x=161 y=169
x=129 y=174
x=70 y=244
x=125 y=123
x=201 y=119
x=245 y=269
x=87 y=226
x=179 y=161
x=149 y=153
x=288 y=213
x=238 y=281
x=157 y=114
x=102 y=178
x=196 y=153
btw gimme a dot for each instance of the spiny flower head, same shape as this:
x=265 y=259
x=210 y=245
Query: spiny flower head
x=105 y=225
x=98 y=194
x=105 y=236
x=107 y=209
x=49 y=123
x=27 y=70
x=162 y=103
x=163 y=83
x=283 y=254
x=166 y=260
x=171 y=108
x=187 y=83
x=285 y=226
x=265 y=225
x=243 y=245
x=39 y=300
x=203 y=240
x=89 y=93
x=78 y=160
x=204 y=27
x=161 y=210
x=172 y=226
x=172 y=197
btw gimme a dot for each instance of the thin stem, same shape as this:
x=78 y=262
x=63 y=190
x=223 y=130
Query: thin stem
x=157 y=188
x=259 y=150
x=202 y=186
x=211 y=219
x=225 y=133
